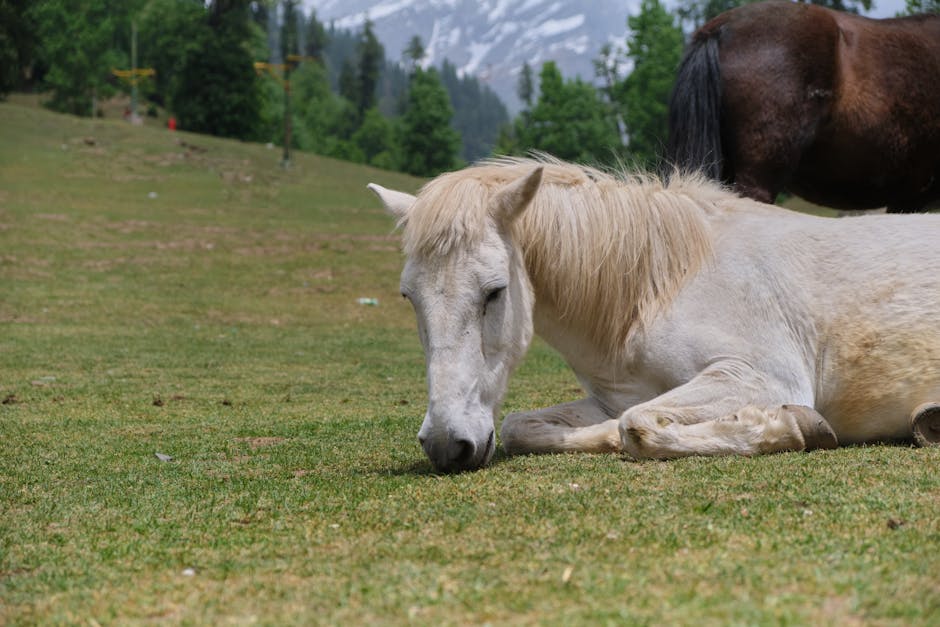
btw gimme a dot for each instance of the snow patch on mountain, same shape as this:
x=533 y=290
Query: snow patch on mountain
x=554 y=28
x=491 y=38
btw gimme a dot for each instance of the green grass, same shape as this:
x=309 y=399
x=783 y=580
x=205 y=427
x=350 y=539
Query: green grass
x=217 y=323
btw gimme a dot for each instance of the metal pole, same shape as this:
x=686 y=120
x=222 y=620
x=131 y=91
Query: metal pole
x=134 y=70
x=285 y=161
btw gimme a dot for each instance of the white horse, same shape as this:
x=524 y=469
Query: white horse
x=698 y=322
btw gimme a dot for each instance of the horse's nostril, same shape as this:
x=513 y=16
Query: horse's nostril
x=464 y=452
x=457 y=454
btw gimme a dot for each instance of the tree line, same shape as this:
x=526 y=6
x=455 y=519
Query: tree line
x=346 y=98
x=224 y=67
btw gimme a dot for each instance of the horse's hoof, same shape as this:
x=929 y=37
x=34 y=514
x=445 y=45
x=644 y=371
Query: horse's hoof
x=925 y=422
x=817 y=434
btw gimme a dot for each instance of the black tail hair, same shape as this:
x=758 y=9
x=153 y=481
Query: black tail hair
x=695 y=110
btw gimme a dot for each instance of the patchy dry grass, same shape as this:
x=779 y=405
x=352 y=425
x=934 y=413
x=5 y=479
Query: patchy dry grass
x=215 y=321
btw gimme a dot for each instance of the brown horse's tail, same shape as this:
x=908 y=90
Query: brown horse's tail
x=695 y=110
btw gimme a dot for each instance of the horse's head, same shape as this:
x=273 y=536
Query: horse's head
x=465 y=277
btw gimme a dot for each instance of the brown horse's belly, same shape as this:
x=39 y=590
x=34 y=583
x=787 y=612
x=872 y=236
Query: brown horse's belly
x=850 y=170
x=839 y=179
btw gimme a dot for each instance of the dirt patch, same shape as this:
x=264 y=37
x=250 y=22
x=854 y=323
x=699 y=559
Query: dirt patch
x=261 y=442
x=53 y=217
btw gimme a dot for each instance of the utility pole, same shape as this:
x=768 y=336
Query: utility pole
x=134 y=70
x=281 y=72
x=285 y=157
x=134 y=75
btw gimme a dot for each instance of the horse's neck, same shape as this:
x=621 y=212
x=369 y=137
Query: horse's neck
x=620 y=274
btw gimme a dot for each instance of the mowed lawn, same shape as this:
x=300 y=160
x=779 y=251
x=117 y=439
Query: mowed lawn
x=182 y=295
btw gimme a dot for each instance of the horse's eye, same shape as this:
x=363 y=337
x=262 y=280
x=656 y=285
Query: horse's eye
x=492 y=296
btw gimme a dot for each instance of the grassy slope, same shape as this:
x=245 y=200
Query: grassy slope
x=218 y=323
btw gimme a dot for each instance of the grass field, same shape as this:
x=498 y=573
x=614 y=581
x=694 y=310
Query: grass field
x=182 y=295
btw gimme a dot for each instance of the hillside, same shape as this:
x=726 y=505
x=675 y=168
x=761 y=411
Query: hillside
x=101 y=222
x=44 y=153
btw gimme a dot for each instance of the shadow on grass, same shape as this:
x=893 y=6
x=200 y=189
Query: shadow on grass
x=423 y=468
x=415 y=469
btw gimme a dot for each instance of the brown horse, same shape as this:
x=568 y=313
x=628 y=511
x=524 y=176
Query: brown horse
x=839 y=109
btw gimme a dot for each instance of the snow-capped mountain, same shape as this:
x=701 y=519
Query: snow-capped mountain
x=491 y=39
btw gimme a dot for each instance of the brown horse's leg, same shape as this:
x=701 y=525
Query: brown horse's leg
x=767 y=137
x=905 y=209
x=746 y=185
x=778 y=74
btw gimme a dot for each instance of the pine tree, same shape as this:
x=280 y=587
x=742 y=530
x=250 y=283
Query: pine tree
x=289 y=32
x=348 y=83
x=376 y=139
x=79 y=43
x=317 y=38
x=525 y=88
x=429 y=145
x=655 y=47
x=569 y=121
x=17 y=42
x=414 y=53
x=219 y=92
x=371 y=58
x=478 y=112
x=169 y=31
x=923 y=6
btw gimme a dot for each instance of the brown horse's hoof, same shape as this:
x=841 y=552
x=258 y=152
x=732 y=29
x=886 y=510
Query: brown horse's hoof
x=925 y=422
x=816 y=431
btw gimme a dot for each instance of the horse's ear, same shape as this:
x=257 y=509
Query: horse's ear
x=513 y=198
x=396 y=203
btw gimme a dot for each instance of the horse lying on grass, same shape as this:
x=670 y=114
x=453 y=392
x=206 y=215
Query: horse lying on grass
x=697 y=321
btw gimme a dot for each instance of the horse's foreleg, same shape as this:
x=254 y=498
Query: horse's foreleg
x=648 y=434
x=580 y=426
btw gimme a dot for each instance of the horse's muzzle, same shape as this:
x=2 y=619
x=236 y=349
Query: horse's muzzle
x=458 y=455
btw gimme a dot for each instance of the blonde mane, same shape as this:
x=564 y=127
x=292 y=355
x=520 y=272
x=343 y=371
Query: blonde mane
x=608 y=251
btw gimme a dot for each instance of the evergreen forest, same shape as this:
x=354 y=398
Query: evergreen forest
x=241 y=68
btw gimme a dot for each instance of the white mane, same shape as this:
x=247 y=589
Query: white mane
x=583 y=229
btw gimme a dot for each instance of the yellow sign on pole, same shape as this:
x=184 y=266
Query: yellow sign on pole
x=133 y=77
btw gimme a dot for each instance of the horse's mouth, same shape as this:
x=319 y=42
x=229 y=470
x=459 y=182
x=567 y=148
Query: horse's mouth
x=460 y=456
x=490 y=449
